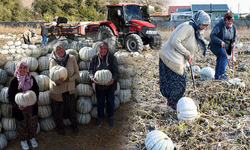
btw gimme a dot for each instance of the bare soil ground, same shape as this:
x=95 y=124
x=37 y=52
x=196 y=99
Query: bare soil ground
x=89 y=138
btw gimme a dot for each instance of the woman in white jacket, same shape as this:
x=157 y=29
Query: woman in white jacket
x=174 y=54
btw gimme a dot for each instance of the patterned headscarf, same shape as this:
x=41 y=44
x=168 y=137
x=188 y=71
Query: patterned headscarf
x=62 y=61
x=228 y=16
x=25 y=82
x=200 y=18
x=33 y=31
x=105 y=44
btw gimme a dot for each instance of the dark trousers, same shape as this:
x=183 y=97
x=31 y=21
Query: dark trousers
x=65 y=109
x=101 y=95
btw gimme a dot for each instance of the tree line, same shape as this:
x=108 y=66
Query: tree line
x=45 y=10
x=73 y=10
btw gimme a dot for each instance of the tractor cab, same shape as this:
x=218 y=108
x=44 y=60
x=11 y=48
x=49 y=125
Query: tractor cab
x=132 y=12
x=145 y=13
x=136 y=12
x=121 y=15
x=115 y=15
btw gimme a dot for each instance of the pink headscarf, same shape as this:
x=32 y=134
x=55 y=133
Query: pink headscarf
x=25 y=82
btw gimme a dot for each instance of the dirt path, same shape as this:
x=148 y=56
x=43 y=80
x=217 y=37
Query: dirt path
x=89 y=138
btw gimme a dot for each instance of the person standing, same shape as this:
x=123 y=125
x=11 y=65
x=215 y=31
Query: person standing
x=44 y=34
x=104 y=60
x=223 y=36
x=27 y=36
x=176 y=52
x=62 y=91
x=26 y=117
x=60 y=20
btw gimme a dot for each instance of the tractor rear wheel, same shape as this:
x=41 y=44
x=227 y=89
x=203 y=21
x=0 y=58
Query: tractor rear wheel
x=134 y=43
x=106 y=34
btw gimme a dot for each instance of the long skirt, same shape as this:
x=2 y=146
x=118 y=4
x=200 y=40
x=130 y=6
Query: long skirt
x=64 y=109
x=26 y=129
x=172 y=85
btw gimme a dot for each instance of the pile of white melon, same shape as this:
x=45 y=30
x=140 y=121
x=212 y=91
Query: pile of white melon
x=38 y=64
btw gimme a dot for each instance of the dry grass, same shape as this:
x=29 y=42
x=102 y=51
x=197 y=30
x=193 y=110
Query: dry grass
x=16 y=30
x=13 y=32
x=224 y=109
x=224 y=117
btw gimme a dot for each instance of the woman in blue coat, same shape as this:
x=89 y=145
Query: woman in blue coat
x=223 y=36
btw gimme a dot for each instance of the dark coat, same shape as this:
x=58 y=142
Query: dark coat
x=61 y=20
x=13 y=90
x=112 y=67
x=44 y=30
x=217 y=36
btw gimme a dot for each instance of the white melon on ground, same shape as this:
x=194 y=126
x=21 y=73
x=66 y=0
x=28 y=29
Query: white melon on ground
x=186 y=109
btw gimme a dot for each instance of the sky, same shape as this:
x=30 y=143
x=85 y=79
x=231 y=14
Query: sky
x=241 y=6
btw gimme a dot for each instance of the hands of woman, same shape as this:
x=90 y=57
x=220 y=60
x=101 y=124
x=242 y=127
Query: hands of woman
x=111 y=81
x=34 y=102
x=59 y=81
x=188 y=58
x=233 y=45
x=21 y=107
x=222 y=44
x=67 y=80
x=94 y=80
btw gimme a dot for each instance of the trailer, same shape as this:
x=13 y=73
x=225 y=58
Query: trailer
x=73 y=30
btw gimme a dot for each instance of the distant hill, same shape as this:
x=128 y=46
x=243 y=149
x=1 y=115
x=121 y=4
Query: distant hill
x=27 y=3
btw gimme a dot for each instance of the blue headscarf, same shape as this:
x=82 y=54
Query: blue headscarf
x=200 y=18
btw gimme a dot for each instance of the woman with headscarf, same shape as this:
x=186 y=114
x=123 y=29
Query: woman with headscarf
x=62 y=91
x=25 y=116
x=60 y=20
x=223 y=36
x=104 y=60
x=27 y=36
x=176 y=52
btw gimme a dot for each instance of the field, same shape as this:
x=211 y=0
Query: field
x=224 y=109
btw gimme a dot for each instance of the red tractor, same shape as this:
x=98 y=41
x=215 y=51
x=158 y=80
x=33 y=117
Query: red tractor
x=131 y=27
